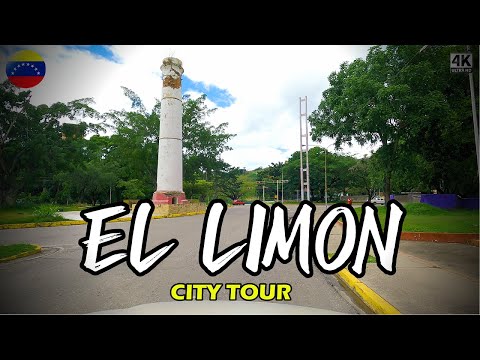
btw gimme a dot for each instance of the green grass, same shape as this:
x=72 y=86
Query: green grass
x=370 y=259
x=73 y=207
x=21 y=216
x=36 y=213
x=11 y=250
x=425 y=218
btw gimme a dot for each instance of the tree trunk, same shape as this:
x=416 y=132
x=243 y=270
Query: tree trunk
x=388 y=185
x=8 y=196
x=369 y=193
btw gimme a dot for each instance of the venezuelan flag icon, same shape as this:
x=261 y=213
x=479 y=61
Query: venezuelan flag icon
x=25 y=69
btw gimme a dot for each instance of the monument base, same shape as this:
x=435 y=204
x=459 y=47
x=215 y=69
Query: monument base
x=163 y=197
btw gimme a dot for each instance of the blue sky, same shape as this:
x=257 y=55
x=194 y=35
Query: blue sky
x=99 y=51
x=221 y=97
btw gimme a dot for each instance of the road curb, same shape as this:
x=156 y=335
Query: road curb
x=81 y=222
x=471 y=239
x=374 y=301
x=23 y=254
x=459 y=238
x=42 y=224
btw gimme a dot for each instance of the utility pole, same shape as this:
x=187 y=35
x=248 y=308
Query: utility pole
x=304 y=171
x=325 y=179
x=474 y=109
x=270 y=182
x=277 y=190
x=326 y=194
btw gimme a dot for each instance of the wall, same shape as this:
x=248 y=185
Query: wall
x=444 y=201
x=170 y=209
x=469 y=203
x=450 y=201
x=407 y=198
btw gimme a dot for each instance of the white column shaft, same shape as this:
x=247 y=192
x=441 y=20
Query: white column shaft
x=170 y=169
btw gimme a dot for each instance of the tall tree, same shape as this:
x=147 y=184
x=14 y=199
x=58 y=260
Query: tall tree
x=227 y=182
x=402 y=99
x=203 y=143
x=364 y=173
x=31 y=146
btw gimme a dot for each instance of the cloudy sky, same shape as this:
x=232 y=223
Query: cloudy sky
x=255 y=88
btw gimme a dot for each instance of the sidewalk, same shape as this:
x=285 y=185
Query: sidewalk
x=431 y=278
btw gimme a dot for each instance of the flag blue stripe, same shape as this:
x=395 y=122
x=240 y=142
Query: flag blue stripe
x=25 y=68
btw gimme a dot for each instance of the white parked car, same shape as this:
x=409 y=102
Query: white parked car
x=378 y=200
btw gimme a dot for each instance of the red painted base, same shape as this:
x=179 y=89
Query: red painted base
x=169 y=198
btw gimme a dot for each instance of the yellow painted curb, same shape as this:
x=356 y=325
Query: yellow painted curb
x=81 y=222
x=179 y=215
x=374 y=301
x=42 y=224
x=23 y=254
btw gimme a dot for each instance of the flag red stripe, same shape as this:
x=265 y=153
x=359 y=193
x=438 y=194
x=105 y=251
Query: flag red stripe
x=25 y=81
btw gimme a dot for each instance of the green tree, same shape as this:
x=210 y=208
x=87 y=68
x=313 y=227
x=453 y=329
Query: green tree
x=132 y=189
x=439 y=135
x=363 y=104
x=363 y=174
x=31 y=145
x=227 y=182
x=406 y=101
x=338 y=177
x=201 y=190
x=133 y=146
x=248 y=184
x=203 y=143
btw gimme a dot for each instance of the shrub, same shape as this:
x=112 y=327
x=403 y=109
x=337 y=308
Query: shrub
x=25 y=201
x=46 y=211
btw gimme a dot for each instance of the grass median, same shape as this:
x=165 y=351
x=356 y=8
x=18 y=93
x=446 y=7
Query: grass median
x=11 y=252
x=36 y=214
x=426 y=218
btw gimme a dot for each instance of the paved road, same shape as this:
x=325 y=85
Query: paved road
x=53 y=282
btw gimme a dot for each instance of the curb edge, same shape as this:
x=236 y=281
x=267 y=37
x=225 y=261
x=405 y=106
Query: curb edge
x=81 y=222
x=374 y=301
x=23 y=254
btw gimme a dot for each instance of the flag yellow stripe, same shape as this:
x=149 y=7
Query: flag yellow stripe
x=26 y=55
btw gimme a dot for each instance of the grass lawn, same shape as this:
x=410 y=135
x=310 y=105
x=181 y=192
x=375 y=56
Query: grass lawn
x=10 y=250
x=21 y=216
x=425 y=218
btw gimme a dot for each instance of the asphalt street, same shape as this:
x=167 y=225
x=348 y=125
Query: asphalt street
x=53 y=282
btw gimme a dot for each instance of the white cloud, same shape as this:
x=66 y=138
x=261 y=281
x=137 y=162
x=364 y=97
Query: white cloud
x=266 y=82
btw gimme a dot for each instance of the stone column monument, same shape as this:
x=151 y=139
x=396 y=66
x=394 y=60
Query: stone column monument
x=170 y=167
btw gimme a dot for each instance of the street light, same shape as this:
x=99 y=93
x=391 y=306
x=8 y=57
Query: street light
x=326 y=196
